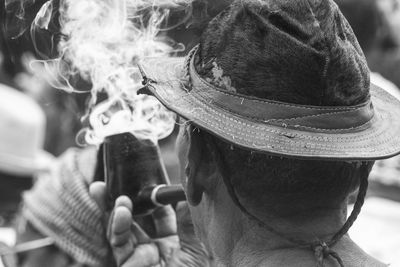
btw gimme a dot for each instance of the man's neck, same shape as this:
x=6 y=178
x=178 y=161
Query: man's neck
x=253 y=245
x=255 y=255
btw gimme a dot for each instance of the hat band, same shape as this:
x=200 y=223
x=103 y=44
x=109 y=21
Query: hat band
x=342 y=119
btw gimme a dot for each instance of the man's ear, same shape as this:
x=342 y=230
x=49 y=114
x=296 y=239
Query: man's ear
x=199 y=169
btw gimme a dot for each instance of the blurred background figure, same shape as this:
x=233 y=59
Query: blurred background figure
x=62 y=110
x=21 y=141
x=376 y=24
x=22 y=158
x=59 y=209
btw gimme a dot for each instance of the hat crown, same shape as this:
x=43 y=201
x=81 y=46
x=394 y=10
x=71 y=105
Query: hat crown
x=300 y=52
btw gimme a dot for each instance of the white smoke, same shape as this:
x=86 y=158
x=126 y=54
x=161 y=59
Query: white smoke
x=103 y=40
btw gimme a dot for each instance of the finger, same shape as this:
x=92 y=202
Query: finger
x=120 y=234
x=97 y=191
x=165 y=221
x=145 y=255
x=124 y=201
x=122 y=241
x=168 y=246
x=139 y=233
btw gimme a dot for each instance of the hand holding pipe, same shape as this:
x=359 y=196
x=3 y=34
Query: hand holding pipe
x=134 y=168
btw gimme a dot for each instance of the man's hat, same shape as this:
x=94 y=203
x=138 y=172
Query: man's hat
x=297 y=47
x=22 y=134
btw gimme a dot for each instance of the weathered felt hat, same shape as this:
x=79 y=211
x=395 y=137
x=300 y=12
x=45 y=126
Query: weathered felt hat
x=22 y=134
x=304 y=48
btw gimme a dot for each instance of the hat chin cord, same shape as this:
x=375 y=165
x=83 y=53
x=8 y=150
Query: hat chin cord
x=322 y=249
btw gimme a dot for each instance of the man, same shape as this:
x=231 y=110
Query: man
x=279 y=132
x=280 y=125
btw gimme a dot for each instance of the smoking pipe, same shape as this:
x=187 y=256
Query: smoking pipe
x=134 y=167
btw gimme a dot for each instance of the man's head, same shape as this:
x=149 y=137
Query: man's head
x=257 y=49
x=287 y=194
x=281 y=115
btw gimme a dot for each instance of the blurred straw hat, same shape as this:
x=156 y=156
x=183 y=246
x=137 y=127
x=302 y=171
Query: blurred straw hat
x=22 y=134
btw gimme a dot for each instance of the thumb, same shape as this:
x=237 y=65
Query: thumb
x=97 y=191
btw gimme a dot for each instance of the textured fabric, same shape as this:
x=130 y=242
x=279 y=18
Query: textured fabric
x=305 y=49
x=299 y=117
x=59 y=206
x=381 y=139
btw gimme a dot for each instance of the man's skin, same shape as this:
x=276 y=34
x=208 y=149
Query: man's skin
x=239 y=242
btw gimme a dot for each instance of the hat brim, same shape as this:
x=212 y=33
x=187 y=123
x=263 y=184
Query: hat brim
x=378 y=141
x=24 y=167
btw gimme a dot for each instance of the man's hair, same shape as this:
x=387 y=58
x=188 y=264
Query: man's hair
x=281 y=185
